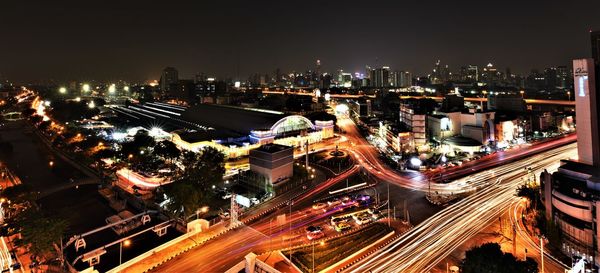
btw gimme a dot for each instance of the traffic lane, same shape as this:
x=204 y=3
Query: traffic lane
x=525 y=241
x=421 y=248
x=216 y=255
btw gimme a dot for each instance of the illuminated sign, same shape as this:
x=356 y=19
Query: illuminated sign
x=582 y=81
x=582 y=75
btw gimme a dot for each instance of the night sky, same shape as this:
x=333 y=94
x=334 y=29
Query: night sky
x=133 y=40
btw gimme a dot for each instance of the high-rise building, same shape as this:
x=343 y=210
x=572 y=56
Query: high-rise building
x=586 y=106
x=473 y=73
x=169 y=77
x=394 y=79
x=380 y=77
x=570 y=194
x=405 y=79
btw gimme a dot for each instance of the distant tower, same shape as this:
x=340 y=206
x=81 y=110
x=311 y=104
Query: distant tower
x=168 y=77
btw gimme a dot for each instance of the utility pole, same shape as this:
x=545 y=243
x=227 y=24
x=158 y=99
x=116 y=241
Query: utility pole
x=388 y=205
x=542 y=252
x=306 y=145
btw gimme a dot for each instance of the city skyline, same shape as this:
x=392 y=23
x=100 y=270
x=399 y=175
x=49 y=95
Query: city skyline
x=134 y=41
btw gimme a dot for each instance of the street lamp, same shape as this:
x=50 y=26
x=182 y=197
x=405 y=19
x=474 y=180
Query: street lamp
x=569 y=94
x=62 y=90
x=522 y=94
x=112 y=88
x=86 y=88
x=125 y=243
x=201 y=210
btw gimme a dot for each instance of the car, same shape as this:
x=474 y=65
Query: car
x=319 y=206
x=315 y=235
x=254 y=201
x=314 y=229
x=363 y=220
x=342 y=227
x=335 y=221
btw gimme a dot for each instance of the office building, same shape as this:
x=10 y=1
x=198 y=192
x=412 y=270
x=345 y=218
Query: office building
x=274 y=161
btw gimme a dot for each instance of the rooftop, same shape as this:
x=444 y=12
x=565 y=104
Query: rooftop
x=579 y=167
x=272 y=148
x=231 y=121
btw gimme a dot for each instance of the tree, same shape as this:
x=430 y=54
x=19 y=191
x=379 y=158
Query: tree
x=167 y=150
x=530 y=192
x=489 y=258
x=184 y=199
x=141 y=140
x=192 y=187
x=39 y=233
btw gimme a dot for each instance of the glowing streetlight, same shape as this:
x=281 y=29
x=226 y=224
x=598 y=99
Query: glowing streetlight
x=51 y=163
x=86 y=88
x=62 y=90
x=522 y=93
x=112 y=88
x=91 y=104
x=78 y=99
x=126 y=88
x=125 y=243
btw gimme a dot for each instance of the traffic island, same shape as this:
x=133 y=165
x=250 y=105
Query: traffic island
x=328 y=253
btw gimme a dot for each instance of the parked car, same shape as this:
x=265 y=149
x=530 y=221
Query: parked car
x=342 y=227
x=254 y=201
x=315 y=235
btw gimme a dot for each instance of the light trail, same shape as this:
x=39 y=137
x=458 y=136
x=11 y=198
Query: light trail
x=423 y=247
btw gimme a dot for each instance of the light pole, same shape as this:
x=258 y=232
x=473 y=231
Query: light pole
x=522 y=94
x=127 y=243
x=569 y=94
